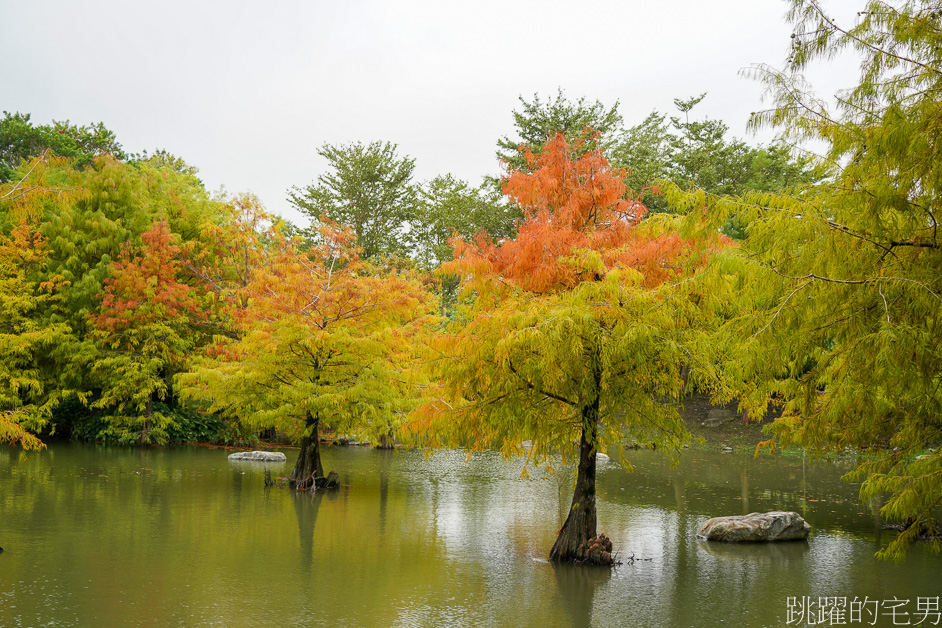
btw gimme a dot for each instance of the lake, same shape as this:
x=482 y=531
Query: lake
x=106 y=536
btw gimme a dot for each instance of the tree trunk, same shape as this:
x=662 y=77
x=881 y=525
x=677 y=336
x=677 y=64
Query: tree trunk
x=308 y=472
x=580 y=525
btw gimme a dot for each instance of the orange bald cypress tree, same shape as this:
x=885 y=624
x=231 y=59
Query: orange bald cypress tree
x=323 y=340
x=143 y=335
x=578 y=331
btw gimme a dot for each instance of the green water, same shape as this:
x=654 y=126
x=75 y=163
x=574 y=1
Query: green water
x=102 y=536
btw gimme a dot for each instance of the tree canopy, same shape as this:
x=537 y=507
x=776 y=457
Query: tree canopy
x=324 y=340
x=841 y=282
x=369 y=188
x=538 y=121
x=568 y=338
x=21 y=140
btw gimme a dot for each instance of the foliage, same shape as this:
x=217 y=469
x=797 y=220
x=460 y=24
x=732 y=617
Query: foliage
x=324 y=338
x=569 y=336
x=699 y=153
x=26 y=398
x=538 y=122
x=369 y=188
x=85 y=225
x=142 y=335
x=20 y=141
x=841 y=283
x=645 y=151
x=28 y=389
x=451 y=207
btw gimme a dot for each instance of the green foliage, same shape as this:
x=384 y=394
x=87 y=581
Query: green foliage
x=369 y=188
x=85 y=236
x=613 y=343
x=28 y=393
x=451 y=207
x=688 y=151
x=143 y=335
x=570 y=330
x=319 y=334
x=698 y=153
x=538 y=121
x=841 y=282
x=179 y=424
x=646 y=151
x=21 y=141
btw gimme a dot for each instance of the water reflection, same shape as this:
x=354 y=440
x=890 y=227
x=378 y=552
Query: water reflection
x=306 y=505
x=577 y=587
x=109 y=536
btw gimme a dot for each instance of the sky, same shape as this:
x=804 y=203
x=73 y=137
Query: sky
x=247 y=91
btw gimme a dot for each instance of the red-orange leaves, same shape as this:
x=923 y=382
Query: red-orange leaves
x=579 y=224
x=579 y=195
x=144 y=288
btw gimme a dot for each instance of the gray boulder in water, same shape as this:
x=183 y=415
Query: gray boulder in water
x=756 y=527
x=264 y=456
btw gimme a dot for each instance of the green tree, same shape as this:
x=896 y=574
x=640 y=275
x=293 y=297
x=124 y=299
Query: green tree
x=30 y=386
x=449 y=207
x=645 y=151
x=538 y=121
x=573 y=334
x=698 y=153
x=21 y=141
x=369 y=187
x=27 y=391
x=841 y=283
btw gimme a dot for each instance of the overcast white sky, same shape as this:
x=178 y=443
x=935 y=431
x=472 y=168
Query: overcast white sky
x=247 y=91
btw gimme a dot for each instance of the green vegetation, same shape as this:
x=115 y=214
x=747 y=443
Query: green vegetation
x=839 y=284
x=583 y=300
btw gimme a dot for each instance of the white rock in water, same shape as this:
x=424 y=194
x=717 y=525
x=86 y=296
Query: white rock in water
x=756 y=527
x=600 y=456
x=265 y=456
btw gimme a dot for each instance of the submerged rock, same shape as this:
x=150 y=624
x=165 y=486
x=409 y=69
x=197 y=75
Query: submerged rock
x=264 y=456
x=756 y=527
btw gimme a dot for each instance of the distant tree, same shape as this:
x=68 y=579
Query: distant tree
x=21 y=141
x=369 y=188
x=645 y=152
x=449 y=207
x=538 y=121
x=699 y=153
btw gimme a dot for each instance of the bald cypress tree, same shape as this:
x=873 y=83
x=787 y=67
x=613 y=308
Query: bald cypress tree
x=841 y=282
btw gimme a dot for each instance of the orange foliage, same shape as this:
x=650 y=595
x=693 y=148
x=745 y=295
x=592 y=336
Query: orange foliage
x=574 y=207
x=143 y=288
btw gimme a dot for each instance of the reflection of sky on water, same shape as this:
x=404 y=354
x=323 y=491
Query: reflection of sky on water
x=99 y=536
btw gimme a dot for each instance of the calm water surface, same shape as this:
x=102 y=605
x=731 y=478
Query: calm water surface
x=102 y=536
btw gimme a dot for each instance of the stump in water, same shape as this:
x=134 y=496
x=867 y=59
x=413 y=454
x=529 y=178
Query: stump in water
x=596 y=551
